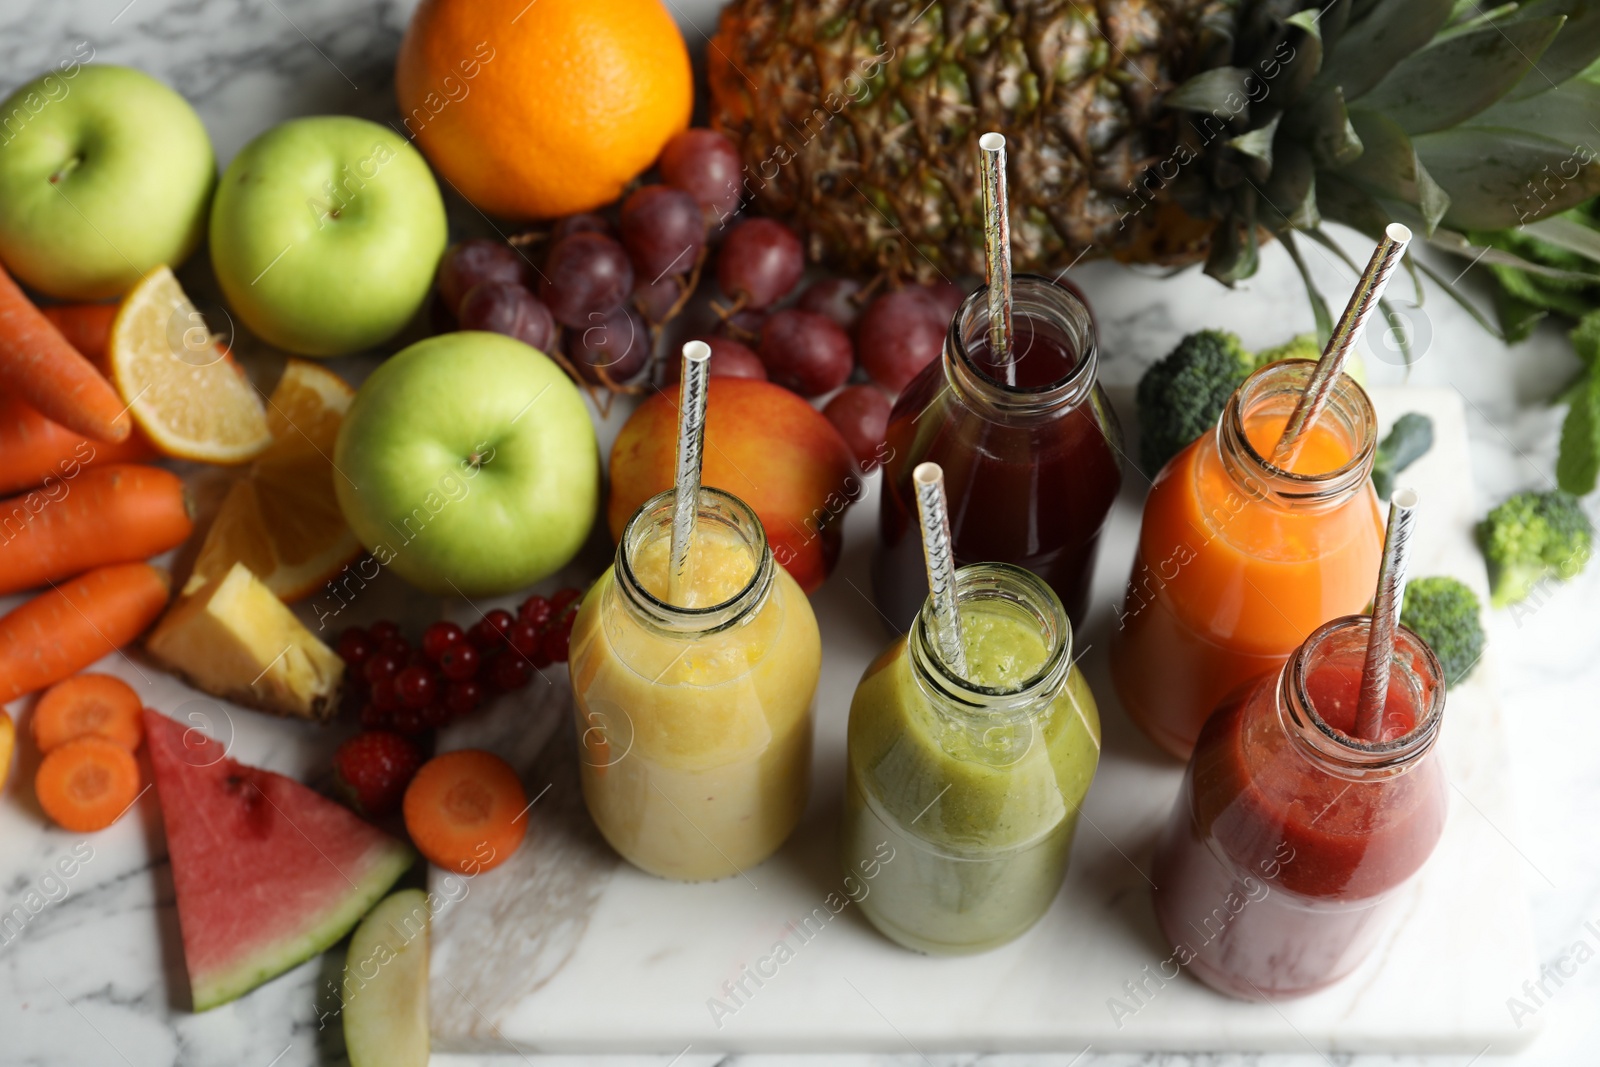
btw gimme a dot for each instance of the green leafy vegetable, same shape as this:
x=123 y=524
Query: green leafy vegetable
x=1578 y=462
x=1406 y=442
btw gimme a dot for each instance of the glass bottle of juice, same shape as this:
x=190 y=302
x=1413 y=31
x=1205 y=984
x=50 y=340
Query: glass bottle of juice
x=1029 y=451
x=965 y=792
x=1278 y=869
x=1238 y=561
x=694 y=720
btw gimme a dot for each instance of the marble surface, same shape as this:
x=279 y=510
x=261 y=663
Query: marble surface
x=95 y=979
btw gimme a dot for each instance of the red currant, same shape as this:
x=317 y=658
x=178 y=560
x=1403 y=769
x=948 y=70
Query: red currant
x=462 y=698
x=537 y=610
x=523 y=637
x=440 y=636
x=396 y=647
x=374 y=718
x=510 y=672
x=383 y=630
x=459 y=662
x=410 y=721
x=554 y=645
x=386 y=695
x=562 y=598
x=382 y=667
x=436 y=715
x=490 y=631
x=355 y=646
x=417 y=687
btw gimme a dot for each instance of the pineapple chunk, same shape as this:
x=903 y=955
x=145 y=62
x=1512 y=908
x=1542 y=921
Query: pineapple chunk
x=234 y=639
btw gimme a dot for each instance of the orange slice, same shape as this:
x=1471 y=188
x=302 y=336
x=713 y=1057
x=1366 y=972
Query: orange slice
x=182 y=386
x=282 y=519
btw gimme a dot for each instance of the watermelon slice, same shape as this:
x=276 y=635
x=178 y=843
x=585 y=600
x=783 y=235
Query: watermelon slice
x=268 y=872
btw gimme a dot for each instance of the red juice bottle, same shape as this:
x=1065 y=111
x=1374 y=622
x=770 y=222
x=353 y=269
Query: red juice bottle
x=1029 y=450
x=1279 y=868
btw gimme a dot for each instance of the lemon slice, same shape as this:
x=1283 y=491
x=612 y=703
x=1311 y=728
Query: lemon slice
x=282 y=519
x=181 y=385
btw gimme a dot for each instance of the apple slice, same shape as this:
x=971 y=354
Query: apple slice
x=386 y=984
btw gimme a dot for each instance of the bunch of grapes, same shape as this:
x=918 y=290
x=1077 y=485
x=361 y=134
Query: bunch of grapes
x=411 y=690
x=607 y=284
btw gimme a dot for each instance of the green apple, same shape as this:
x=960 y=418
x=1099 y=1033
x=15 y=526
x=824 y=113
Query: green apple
x=468 y=464
x=325 y=234
x=105 y=173
x=385 y=990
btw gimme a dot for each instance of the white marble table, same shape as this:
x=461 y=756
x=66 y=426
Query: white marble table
x=90 y=985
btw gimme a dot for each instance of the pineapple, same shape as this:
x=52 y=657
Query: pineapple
x=233 y=638
x=1157 y=131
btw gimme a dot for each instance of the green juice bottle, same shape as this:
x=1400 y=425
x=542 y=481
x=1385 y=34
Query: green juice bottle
x=973 y=783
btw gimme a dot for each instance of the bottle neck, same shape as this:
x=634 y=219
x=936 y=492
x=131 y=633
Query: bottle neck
x=1053 y=361
x=646 y=541
x=1415 y=704
x=1267 y=397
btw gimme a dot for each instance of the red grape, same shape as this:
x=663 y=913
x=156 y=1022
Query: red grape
x=861 y=415
x=462 y=698
x=473 y=262
x=587 y=273
x=833 y=297
x=663 y=230
x=383 y=630
x=460 y=662
x=619 y=341
x=504 y=307
x=355 y=646
x=417 y=687
x=655 y=300
x=805 y=351
x=583 y=222
x=729 y=359
x=742 y=326
x=704 y=164
x=440 y=636
x=510 y=672
x=537 y=610
x=761 y=261
x=900 y=333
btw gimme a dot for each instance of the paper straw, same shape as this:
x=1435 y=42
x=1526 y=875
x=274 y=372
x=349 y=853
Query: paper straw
x=1363 y=302
x=1385 y=615
x=997 y=247
x=691 y=445
x=928 y=478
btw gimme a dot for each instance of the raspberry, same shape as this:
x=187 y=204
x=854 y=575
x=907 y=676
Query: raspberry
x=374 y=769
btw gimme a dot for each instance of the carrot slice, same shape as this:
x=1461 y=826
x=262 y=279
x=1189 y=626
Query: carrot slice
x=466 y=811
x=84 y=705
x=86 y=784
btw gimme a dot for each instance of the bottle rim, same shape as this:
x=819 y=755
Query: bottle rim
x=1333 y=747
x=1034 y=296
x=1256 y=473
x=997 y=581
x=716 y=507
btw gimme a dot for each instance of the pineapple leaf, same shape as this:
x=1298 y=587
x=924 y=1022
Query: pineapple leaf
x=1319 y=305
x=1389 y=167
x=1449 y=82
x=1235 y=253
x=1378 y=39
x=1565 y=114
x=1291 y=191
x=1490 y=173
x=1455 y=293
x=1334 y=141
x=1456 y=243
x=1574 y=48
x=1257 y=143
x=1566 y=232
x=1343 y=201
x=1211 y=90
x=1578 y=461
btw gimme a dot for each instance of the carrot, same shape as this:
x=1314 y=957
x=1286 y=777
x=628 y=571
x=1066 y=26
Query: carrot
x=113 y=514
x=60 y=632
x=86 y=705
x=466 y=811
x=8 y=743
x=87 y=327
x=37 y=364
x=34 y=449
x=87 y=784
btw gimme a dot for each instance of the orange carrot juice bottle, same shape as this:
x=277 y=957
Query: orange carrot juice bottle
x=1239 y=560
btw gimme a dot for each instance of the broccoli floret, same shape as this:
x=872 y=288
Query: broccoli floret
x=1407 y=441
x=1305 y=346
x=1531 y=538
x=1445 y=614
x=1181 y=396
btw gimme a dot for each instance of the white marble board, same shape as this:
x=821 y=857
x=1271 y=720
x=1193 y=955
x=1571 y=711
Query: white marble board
x=565 y=949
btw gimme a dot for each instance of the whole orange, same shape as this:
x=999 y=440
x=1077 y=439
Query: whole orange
x=539 y=108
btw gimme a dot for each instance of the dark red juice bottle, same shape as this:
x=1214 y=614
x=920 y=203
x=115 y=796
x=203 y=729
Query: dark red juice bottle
x=1030 y=451
x=1279 y=868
